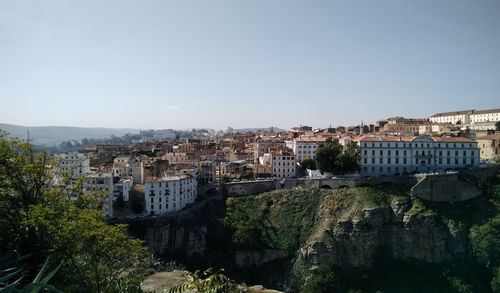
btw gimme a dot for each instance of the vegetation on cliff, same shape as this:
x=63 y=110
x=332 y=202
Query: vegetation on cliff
x=296 y=220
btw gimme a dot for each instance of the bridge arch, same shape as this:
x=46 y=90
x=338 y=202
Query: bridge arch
x=259 y=188
x=325 y=186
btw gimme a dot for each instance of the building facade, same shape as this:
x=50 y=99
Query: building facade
x=398 y=155
x=492 y=115
x=489 y=146
x=72 y=165
x=169 y=193
x=306 y=146
x=283 y=164
x=458 y=117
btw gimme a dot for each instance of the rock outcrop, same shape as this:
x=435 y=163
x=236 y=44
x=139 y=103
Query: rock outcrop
x=395 y=229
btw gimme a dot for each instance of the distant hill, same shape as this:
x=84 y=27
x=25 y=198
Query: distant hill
x=54 y=135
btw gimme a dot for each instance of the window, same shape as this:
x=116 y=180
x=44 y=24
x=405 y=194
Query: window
x=373 y=160
x=389 y=169
x=397 y=153
x=366 y=152
x=404 y=152
x=381 y=170
x=365 y=160
x=381 y=161
x=397 y=160
x=388 y=160
x=404 y=161
x=373 y=153
x=389 y=152
x=381 y=152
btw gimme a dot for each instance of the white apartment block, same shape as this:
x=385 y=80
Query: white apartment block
x=169 y=194
x=283 y=164
x=452 y=117
x=306 y=146
x=124 y=166
x=97 y=182
x=492 y=115
x=122 y=187
x=72 y=164
x=398 y=155
x=467 y=117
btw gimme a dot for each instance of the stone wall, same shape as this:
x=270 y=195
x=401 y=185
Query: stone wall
x=445 y=187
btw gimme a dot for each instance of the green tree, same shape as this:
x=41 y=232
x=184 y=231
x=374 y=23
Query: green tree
x=308 y=163
x=323 y=280
x=327 y=156
x=349 y=160
x=43 y=220
x=495 y=281
x=485 y=241
x=207 y=282
x=497 y=125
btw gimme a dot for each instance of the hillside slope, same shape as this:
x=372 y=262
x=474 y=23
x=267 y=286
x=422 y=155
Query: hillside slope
x=352 y=231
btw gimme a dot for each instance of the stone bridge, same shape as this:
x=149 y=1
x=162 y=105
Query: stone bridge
x=243 y=188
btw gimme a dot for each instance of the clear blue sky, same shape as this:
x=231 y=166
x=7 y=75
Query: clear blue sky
x=254 y=63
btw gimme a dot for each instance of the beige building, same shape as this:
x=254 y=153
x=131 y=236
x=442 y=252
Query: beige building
x=489 y=147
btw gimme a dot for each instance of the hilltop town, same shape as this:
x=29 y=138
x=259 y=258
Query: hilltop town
x=161 y=173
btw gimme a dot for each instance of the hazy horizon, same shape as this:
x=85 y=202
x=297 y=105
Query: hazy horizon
x=196 y=64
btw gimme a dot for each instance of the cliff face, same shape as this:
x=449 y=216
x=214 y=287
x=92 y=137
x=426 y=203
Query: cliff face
x=183 y=234
x=395 y=229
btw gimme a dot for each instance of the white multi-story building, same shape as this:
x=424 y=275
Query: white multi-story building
x=124 y=166
x=169 y=193
x=283 y=164
x=492 y=115
x=458 y=117
x=71 y=164
x=122 y=187
x=398 y=155
x=306 y=146
x=97 y=182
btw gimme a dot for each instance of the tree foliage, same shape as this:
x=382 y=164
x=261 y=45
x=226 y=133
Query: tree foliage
x=41 y=219
x=323 y=280
x=308 y=163
x=207 y=282
x=331 y=158
x=497 y=125
x=486 y=242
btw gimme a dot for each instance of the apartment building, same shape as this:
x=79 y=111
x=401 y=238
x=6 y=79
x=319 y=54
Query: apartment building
x=458 y=117
x=398 y=155
x=101 y=181
x=72 y=164
x=169 y=193
x=306 y=146
x=283 y=164
x=492 y=115
x=489 y=146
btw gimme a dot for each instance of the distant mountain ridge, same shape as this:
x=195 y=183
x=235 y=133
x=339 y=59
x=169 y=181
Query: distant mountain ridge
x=54 y=135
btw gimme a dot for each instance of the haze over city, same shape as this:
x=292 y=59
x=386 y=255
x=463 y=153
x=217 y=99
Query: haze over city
x=214 y=64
